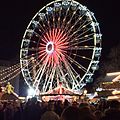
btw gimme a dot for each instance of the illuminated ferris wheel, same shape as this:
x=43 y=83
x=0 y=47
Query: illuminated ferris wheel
x=61 y=45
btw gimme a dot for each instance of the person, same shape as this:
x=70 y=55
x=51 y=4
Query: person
x=9 y=88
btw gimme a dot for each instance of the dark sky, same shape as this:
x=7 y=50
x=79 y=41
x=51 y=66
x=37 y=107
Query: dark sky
x=15 y=15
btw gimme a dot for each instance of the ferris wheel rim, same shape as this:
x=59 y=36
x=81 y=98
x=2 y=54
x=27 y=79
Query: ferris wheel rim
x=94 y=48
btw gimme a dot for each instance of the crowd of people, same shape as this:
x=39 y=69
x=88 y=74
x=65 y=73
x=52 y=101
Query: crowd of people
x=59 y=110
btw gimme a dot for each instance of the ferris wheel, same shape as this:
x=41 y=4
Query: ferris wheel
x=61 y=45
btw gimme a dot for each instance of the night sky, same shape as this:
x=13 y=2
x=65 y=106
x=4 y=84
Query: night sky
x=16 y=15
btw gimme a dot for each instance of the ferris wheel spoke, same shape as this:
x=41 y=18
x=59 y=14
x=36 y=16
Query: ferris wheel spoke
x=83 y=57
x=37 y=34
x=81 y=33
x=77 y=41
x=62 y=37
x=77 y=75
x=71 y=71
x=35 y=59
x=48 y=22
x=79 y=18
x=41 y=28
x=31 y=49
x=46 y=37
x=59 y=34
x=44 y=40
x=63 y=77
x=38 y=25
x=68 y=23
x=43 y=58
x=53 y=16
x=71 y=74
x=32 y=69
x=81 y=48
x=85 y=31
x=35 y=66
x=81 y=27
x=82 y=39
x=41 y=48
x=39 y=70
x=30 y=63
x=77 y=64
x=40 y=74
x=41 y=53
x=59 y=18
x=79 y=37
x=46 y=86
x=50 y=80
x=55 y=34
x=62 y=41
x=60 y=53
x=64 y=19
x=62 y=44
x=28 y=57
x=74 y=71
x=45 y=81
x=37 y=75
x=34 y=49
x=74 y=43
x=76 y=83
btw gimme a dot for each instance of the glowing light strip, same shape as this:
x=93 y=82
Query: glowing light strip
x=114 y=73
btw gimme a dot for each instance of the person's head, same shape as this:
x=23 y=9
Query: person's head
x=49 y=115
x=83 y=105
x=34 y=100
x=112 y=114
x=66 y=103
x=51 y=106
x=114 y=104
x=1 y=106
x=98 y=114
x=71 y=113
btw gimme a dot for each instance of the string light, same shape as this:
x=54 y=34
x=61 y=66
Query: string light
x=14 y=69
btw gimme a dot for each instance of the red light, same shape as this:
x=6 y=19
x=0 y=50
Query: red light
x=53 y=46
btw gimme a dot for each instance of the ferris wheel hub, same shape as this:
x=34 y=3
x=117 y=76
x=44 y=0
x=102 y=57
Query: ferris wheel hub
x=50 y=47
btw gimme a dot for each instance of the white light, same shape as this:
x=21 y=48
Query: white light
x=99 y=89
x=114 y=73
x=85 y=92
x=31 y=92
x=95 y=94
x=115 y=92
x=112 y=97
x=116 y=79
